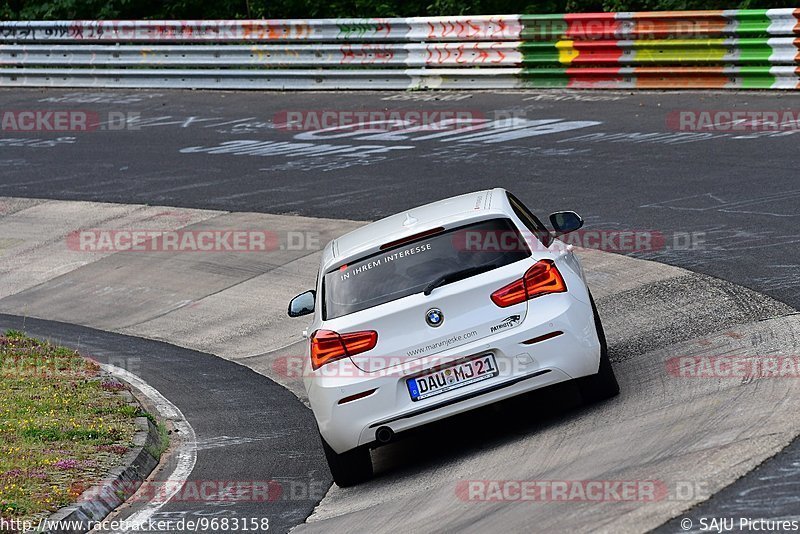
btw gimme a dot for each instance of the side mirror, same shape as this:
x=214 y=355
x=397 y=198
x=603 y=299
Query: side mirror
x=565 y=222
x=302 y=304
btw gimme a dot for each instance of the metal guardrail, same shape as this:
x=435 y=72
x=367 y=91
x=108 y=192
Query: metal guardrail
x=698 y=49
x=775 y=51
x=737 y=22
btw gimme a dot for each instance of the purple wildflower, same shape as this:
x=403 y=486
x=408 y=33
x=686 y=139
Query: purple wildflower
x=67 y=464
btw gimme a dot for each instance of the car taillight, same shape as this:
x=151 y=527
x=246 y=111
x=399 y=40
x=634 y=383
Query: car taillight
x=541 y=279
x=328 y=346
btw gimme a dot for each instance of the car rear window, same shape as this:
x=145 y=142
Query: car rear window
x=408 y=268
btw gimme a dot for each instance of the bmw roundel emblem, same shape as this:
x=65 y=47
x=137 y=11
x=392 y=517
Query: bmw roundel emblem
x=434 y=317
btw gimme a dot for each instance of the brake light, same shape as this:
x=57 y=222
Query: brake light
x=328 y=346
x=411 y=238
x=541 y=279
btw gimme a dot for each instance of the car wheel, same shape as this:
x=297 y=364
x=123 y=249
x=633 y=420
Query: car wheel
x=603 y=385
x=349 y=468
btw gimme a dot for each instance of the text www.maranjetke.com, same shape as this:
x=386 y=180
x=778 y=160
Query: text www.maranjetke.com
x=443 y=343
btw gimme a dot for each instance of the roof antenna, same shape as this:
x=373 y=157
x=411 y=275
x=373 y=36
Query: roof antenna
x=410 y=221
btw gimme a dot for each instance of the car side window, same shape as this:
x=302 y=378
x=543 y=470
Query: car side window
x=531 y=222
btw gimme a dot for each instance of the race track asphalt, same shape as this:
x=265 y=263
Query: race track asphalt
x=725 y=201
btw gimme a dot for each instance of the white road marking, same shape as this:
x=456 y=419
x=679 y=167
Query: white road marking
x=186 y=451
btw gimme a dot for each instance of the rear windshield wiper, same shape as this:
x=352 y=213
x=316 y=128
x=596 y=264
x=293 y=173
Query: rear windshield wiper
x=459 y=275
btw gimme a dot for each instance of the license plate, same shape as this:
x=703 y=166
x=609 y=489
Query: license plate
x=452 y=377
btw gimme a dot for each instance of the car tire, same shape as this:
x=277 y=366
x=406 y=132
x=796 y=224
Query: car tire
x=603 y=385
x=349 y=468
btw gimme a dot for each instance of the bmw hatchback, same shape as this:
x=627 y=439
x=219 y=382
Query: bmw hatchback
x=442 y=309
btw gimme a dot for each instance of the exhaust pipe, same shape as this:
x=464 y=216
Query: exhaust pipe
x=384 y=434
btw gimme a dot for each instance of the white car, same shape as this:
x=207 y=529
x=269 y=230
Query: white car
x=439 y=310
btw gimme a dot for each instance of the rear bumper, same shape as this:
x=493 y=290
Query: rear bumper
x=522 y=367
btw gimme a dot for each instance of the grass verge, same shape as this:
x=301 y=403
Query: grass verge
x=63 y=426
